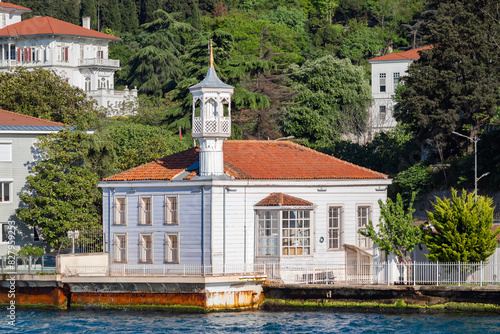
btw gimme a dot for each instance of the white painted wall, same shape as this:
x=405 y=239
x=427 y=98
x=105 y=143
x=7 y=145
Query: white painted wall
x=389 y=67
x=230 y=239
x=16 y=171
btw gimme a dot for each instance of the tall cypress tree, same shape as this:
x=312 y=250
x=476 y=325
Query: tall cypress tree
x=88 y=8
x=130 y=19
x=455 y=85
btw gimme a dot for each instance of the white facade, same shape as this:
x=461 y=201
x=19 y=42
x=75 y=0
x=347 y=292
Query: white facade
x=218 y=221
x=17 y=154
x=386 y=74
x=385 y=78
x=81 y=60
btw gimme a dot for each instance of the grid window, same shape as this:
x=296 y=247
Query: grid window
x=120 y=253
x=395 y=77
x=5 y=191
x=363 y=219
x=382 y=77
x=145 y=211
x=334 y=227
x=267 y=233
x=382 y=112
x=296 y=232
x=171 y=210
x=172 y=248
x=146 y=248
x=120 y=211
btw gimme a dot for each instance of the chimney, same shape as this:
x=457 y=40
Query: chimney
x=86 y=22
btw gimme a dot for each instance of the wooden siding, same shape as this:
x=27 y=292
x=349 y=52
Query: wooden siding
x=189 y=227
x=230 y=237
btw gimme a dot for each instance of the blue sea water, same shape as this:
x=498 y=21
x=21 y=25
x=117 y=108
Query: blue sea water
x=126 y=321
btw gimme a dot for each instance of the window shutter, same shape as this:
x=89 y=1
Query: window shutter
x=18 y=54
x=66 y=50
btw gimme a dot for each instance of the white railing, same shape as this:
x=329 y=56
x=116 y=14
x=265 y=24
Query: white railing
x=165 y=270
x=415 y=273
x=99 y=62
x=211 y=125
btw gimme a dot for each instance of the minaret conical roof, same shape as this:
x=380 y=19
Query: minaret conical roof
x=211 y=79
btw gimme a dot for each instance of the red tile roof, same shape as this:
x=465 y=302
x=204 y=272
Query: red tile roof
x=279 y=199
x=405 y=55
x=9 y=5
x=12 y=118
x=256 y=159
x=50 y=26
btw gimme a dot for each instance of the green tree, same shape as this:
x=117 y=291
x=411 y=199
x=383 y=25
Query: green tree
x=454 y=86
x=61 y=193
x=88 y=8
x=333 y=100
x=414 y=181
x=395 y=232
x=361 y=42
x=156 y=66
x=459 y=229
x=137 y=144
x=41 y=93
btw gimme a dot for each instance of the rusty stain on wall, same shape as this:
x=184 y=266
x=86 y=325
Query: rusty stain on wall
x=51 y=296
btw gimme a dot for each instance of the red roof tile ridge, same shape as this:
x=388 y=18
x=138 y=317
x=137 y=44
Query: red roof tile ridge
x=408 y=54
x=32 y=118
x=11 y=5
x=341 y=161
x=50 y=25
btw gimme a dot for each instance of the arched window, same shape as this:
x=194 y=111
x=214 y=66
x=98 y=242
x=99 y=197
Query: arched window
x=87 y=84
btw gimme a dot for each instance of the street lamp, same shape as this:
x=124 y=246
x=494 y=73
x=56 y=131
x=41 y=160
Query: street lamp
x=73 y=235
x=474 y=140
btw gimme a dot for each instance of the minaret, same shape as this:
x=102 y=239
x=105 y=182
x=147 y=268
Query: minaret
x=211 y=119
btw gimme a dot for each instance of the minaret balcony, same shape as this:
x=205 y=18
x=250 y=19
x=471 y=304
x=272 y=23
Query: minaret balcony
x=211 y=127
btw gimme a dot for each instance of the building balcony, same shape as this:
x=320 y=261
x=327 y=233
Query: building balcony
x=96 y=62
x=212 y=127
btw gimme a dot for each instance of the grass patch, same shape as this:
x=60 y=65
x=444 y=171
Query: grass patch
x=164 y=308
x=373 y=306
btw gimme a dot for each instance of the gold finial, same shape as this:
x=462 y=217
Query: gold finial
x=211 y=61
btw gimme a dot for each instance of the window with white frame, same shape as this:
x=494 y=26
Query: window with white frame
x=382 y=112
x=4 y=230
x=120 y=249
x=172 y=248
x=395 y=77
x=268 y=233
x=296 y=232
x=63 y=54
x=382 y=77
x=145 y=211
x=146 y=248
x=87 y=84
x=363 y=217
x=5 y=151
x=5 y=188
x=171 y=210
x=289 y=228
x=335 y=226
x=120 y=211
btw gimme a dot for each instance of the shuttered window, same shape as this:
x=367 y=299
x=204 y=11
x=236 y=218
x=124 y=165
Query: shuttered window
x=172 y=248
x=6 y=152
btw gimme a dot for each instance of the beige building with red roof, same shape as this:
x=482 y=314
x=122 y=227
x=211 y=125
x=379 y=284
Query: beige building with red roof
x=230 y=204
x=77 y=54
x=386 y=73
x=18 y=135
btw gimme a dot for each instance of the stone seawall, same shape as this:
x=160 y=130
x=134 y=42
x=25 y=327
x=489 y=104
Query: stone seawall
x=421 y=295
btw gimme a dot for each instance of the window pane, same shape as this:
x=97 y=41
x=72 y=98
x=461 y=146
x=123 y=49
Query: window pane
x=5 y=232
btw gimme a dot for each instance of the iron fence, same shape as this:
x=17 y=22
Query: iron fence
x=45 y=264
x=414 y=273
